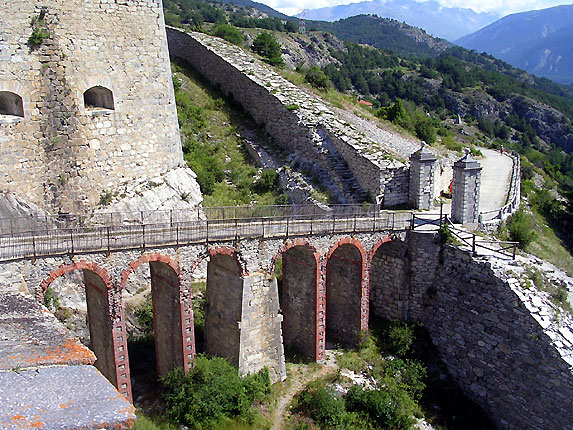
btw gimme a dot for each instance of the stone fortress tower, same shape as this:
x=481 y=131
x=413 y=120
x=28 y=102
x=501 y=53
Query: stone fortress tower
x=86 y=99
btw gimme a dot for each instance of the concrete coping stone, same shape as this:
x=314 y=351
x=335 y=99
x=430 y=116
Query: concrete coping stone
x=62 y=397
x=30 y=336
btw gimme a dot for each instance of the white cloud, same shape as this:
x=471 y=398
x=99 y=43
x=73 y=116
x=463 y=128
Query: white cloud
x=502 y=7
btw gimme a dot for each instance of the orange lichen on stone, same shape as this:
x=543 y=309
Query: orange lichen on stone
x=70 y=351
x=37 y=424
x=18 y=417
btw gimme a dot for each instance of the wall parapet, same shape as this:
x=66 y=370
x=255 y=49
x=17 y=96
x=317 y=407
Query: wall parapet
x=318 y=140
x=504 y=342
x=490 y=220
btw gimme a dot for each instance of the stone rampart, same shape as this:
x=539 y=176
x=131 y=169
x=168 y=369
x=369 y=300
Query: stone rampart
x=504 y=342
x=321 y=144
x=69 y=145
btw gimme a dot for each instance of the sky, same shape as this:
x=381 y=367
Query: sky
x=501 y=7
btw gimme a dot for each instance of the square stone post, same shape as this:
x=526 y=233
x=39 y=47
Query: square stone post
x=422 y=165
x=466 y=190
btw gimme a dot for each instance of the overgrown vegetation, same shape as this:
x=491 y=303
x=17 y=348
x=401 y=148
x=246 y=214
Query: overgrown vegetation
x=213 y=392
x=405 y=380
x=39 y=28
x=211 y=129
x=266 y=45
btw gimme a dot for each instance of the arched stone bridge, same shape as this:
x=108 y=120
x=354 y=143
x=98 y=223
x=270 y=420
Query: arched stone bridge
x=333 y=270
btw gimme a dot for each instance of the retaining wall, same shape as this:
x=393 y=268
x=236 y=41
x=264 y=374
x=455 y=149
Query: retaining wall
x=319 y=142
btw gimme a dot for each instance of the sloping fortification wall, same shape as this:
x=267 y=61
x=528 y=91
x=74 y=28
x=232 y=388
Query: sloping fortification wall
x=300 y=123
x=503 y=343
x=61 y=152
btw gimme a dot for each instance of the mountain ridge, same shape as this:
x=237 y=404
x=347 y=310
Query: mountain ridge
x=539 y=42
x=439 y=21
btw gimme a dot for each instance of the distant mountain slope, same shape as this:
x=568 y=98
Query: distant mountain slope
x=541 y=42
x=444 y=22
x=269 y=11
x=385 y=34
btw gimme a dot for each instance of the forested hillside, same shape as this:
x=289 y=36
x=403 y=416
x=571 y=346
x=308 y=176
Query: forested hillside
x=422 y=85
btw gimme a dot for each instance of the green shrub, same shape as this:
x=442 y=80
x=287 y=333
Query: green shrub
x=51 y=300
x=322 y=405
x=228 y=32
x=446 y=235
x=39 y=29
x=268 y=181
x=520 y=228
x=377 y=404
x=211 y=392
x=399 y=337
x=38 y=36
x=267 y=46
x=316 y=77
x=144 y=314
x=408 y=374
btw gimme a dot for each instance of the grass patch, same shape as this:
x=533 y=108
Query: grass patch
x=210 y=127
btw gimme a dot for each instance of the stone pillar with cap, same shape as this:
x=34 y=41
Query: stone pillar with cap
x=466 y=190
x=422 y=166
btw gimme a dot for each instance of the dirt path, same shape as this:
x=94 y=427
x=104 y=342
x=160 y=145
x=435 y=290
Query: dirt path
x=298 y=383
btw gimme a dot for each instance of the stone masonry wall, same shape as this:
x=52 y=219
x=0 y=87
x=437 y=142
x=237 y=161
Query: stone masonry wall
x=319 y=142
x=62 y=154
x=502 y=354
x=389 y=281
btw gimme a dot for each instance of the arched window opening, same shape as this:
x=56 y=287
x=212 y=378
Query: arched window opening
x=11 y=104
x=98 y=98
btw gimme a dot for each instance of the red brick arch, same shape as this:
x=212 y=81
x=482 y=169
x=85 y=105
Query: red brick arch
x=319 y=344
x=347 y=241
x=80 y=265
x=118 y=367
x=146 y=258
x=364 y=285
x=234 y=254
x=377 y=245
x=291 y=244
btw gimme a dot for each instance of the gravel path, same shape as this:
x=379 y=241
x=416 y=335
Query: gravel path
x=495 y=179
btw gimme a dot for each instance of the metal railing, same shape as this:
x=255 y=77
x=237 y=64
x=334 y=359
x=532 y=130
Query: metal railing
x=471 y=239
x=58 y=241
x=36 y=222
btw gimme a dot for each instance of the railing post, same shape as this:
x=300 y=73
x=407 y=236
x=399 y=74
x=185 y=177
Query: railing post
x=263 y=226
x=287 y=228
x=207 y=238
x=34 y=247
x=108 y=243
x=333 y=222
x=143 y=235
x=412 y=221
x=311 y=217
x=474 y=244
x=236 y=230
x=177 y=234
x=72 y=240
x=514 y=250
x=374 y=223
x=354 y=228
x=441 y=211
x=393 y=220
